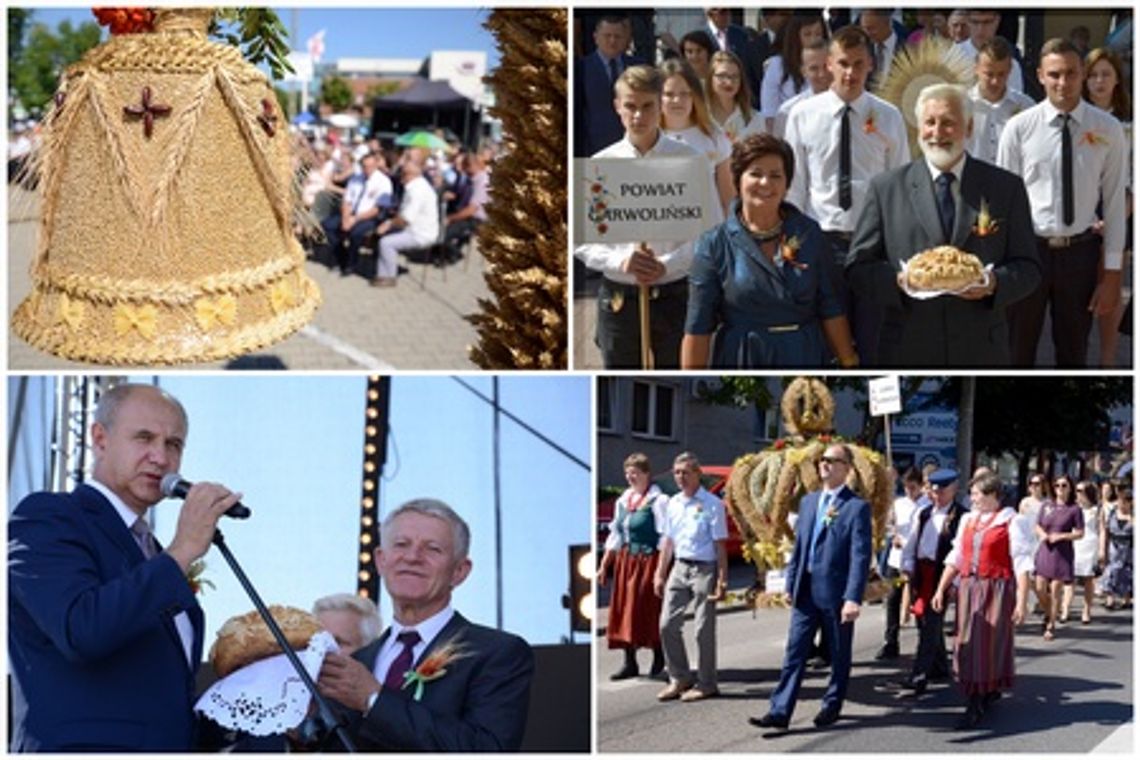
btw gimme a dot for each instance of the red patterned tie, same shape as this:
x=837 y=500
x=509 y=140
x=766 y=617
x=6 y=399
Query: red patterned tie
x=394 y=680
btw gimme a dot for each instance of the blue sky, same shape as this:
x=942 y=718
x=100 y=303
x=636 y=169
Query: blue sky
x=293 y=446
x=363 y=32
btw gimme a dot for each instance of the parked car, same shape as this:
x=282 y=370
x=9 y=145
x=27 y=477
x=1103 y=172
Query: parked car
x=713 y=477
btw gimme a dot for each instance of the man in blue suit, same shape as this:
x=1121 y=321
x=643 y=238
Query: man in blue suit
x=827 y=573
x=105 y=634
x=434 y=681
x=596 y=123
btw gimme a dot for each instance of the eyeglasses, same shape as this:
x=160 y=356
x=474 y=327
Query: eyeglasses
x=1060 y=484
x=833 y=460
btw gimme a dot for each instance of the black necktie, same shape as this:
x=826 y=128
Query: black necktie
x=845 y=160
x=946 y=203
x=394 y=679
x=613 y=70
x=1066 y=170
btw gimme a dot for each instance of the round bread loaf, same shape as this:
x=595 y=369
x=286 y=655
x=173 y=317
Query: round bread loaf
x=944 y=268
x=245 y=638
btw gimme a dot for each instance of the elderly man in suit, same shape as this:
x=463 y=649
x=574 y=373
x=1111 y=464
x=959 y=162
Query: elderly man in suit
x=104 y=632
x=596 y=123
x=826 y=577
x=938 y=200
x=396 y=695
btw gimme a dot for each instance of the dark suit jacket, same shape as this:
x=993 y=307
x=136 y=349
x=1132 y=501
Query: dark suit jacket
x=843 y=555
x=479 y=705
x=96 y=659
x=596 y=123
x=900 y=219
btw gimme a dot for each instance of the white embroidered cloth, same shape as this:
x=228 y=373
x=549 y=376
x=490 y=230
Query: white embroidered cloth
x=266 y=697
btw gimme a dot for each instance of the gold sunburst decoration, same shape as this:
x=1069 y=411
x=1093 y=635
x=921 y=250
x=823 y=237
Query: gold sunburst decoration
x=934 y=60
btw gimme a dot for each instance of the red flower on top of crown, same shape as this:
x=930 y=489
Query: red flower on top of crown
x=125 y=20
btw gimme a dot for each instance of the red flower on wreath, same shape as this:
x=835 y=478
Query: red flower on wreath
x=779 y=444
x=125 y=20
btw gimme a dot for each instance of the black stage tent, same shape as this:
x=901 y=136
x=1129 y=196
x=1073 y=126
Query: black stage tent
x=426 y=103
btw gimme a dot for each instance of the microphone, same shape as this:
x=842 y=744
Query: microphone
x=174 y=487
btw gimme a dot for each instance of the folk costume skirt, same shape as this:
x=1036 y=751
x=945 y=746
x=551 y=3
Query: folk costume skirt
x=635 y=611
x=983 y=652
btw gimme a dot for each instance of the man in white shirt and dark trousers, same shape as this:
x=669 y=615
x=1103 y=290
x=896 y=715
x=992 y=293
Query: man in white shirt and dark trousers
x=694 y=536
x=994 y=101
x=842 y=138
x=661 y=265
x=1072 y=157
x=898 y=532
x=366 y=198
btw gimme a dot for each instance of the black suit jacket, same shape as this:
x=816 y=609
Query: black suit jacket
x=97 y=662
x=479 y=705
x=900 y=219
x=596 y=123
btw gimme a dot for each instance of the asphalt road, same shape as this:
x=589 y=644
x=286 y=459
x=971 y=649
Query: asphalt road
x=1072 y=695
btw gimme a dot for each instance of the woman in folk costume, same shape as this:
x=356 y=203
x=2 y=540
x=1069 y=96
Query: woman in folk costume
x=989 y=600
x=631 y=552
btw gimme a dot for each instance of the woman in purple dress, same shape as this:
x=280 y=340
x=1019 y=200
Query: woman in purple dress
x=1059 y=524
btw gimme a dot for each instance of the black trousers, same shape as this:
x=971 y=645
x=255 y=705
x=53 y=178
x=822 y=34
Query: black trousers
x=893 y=609
x=865 y=316
x=619 y=328
x=930 y=660
x=1068 y=281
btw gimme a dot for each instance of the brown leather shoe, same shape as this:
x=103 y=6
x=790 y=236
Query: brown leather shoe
x=674 y=690
x=697 y=693
x=383 y=282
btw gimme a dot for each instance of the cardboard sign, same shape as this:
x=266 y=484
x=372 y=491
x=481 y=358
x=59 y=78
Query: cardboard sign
x=629 y=200
x=884 y=395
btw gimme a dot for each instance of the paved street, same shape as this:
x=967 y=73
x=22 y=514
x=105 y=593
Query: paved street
x=1071 y=695
x=357 y=327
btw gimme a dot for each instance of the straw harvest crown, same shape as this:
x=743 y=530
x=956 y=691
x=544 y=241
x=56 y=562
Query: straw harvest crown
x=166 y=230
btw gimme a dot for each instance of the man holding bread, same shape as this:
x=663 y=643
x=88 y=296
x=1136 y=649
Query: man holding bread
x=970 y=222
x=433 y=681
x=104 y=632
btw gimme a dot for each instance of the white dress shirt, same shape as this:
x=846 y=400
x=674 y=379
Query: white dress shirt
x=1015 y=82
x=181 y=620
x=924 y=546
x=717 y=148
x=990 y=119
x=391 y=648
x=736 y=130
x=1030 y=147
x=780 y=124
x=774 y=89
x=675 y=255
x=903 y=512
x=878 y=143
x=695 y=524
x=361 y=194
x=420 y=209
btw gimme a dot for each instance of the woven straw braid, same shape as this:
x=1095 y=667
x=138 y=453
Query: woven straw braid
x=128 y=179
x=186 y=124
x=167 y=53
x=181 y=339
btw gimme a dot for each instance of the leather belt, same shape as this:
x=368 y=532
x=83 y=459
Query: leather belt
x=1067 y=241
x=782 y=328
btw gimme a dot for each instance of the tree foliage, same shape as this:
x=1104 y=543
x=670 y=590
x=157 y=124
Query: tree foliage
x=45 y=54
x=260 y=35
x=336 y=93
x=380 y=90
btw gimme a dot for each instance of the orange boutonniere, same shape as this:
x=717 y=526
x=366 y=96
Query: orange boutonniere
x=829 y=517
x=1093 y=138
x=432 y=668
x=789 y=249
x=869 y=126
x=986 y=224
x=194 y=577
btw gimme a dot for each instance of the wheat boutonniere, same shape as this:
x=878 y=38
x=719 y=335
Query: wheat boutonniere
x=1093 y=138
x=433 y=667
x=789 y=249
x=194 y=576
x=986 y=224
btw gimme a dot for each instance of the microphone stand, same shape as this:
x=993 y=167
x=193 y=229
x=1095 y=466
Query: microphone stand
x=323 y=708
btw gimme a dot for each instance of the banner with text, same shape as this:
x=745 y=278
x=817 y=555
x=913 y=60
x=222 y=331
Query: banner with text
x=629 y=200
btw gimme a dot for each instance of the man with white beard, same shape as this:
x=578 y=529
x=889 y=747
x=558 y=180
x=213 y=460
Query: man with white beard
x=945 y=198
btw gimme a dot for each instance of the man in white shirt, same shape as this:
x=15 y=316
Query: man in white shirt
x=898 y=533
x=417 y=221
x=661 y=265
x=367 y=196
x=816 y=74
x=994 y=102
x=1072 y=157
x=983 y=28
x=693 y=540
x=842 y=138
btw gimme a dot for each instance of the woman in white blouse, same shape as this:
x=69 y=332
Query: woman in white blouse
x=729 y=104
x=783 y=78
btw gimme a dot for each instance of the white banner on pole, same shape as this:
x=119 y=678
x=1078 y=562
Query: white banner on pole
x=884 y=395
x=629 y=200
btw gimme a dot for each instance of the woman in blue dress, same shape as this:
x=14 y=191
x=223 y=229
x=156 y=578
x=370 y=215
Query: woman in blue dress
x=760 y=292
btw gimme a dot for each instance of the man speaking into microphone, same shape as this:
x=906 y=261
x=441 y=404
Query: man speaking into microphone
x=105 y=634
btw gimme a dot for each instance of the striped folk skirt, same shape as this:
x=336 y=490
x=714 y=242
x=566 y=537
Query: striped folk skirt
x=983 y=652
x=635 y=611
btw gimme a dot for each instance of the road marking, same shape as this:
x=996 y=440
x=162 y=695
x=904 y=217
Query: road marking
x=363 y=358
x=626 y=684
x=1118 y=742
